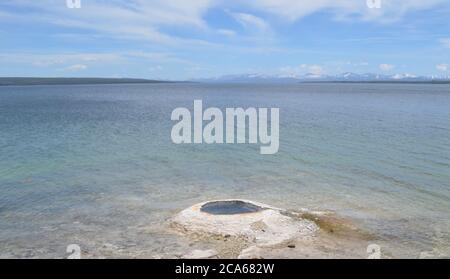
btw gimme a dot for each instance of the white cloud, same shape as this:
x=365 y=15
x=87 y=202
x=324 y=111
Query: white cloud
x=390 y=10
x=156 y=68
x=293 y=10
x=316 y=70
x=302 y=69
x=48 y=60
x=226 y=32
x=69 y=60
x=251 y=22
x=145 y=19
x=76 y=68
x=442 y=67
x=386 y=67
x=136 y=19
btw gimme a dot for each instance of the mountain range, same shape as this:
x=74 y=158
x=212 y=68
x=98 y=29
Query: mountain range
x=311 y=77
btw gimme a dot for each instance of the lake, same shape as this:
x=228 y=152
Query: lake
x=95 y=165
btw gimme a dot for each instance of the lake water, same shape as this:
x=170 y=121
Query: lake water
x=95 y=165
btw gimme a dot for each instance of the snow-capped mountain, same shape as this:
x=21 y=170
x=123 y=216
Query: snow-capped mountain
x=313 y=77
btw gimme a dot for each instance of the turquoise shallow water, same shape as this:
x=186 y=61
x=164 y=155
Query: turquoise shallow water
x=95 y=165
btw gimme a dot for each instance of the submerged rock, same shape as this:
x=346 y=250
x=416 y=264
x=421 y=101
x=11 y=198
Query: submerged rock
x=252 y=222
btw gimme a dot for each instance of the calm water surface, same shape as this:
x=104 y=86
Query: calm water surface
x=95 y=165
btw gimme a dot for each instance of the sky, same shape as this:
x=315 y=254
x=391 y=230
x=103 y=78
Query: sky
x=181 y=40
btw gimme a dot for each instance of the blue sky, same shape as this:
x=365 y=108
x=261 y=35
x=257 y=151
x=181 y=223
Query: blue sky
x=179 y=39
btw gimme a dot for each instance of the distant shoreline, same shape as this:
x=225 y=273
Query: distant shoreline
x=24 y=81
x=30 y=81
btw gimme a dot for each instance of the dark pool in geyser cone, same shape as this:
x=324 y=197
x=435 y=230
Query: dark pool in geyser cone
x=229 y=207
